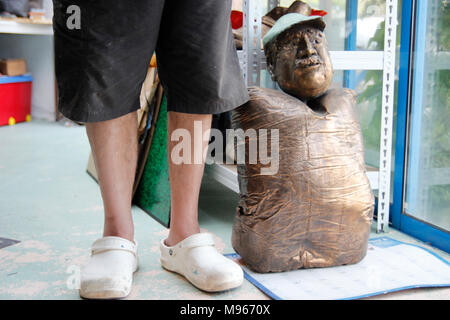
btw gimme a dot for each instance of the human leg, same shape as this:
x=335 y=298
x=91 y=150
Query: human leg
x=100 y=66
x=114 y=149
x=185 y=178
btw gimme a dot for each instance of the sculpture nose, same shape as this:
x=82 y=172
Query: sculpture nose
x=307 y=49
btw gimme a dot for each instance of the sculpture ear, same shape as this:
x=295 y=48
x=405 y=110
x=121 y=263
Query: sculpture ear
x=270 y=61
x=270 y=68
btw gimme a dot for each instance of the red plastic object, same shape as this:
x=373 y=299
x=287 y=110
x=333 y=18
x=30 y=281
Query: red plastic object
x=237 y=19
x=318 y=13
x=15 y=100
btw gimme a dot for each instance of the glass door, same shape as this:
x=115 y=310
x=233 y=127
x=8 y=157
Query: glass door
x=427 y=183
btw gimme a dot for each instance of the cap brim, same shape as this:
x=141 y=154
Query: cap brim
x=316 y=23
x=291 y=20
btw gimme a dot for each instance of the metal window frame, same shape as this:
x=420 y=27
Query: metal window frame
x=351 y=16
x=408 y=47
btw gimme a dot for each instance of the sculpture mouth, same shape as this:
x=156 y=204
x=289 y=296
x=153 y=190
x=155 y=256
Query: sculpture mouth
x=310 y=62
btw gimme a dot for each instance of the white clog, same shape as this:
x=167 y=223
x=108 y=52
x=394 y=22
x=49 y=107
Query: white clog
x=109 y=273
x=198 y=261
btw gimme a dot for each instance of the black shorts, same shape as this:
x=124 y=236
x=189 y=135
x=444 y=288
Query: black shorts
x=101 y=65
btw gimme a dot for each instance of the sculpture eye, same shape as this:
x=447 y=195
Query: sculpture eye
x=288 y=46
x=318 y=38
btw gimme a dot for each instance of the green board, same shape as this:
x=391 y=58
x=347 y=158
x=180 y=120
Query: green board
x=153 y=192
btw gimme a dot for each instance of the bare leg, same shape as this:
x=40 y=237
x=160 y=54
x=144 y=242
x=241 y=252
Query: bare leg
x=114 y=149
x=185 y=180
x=205 y=267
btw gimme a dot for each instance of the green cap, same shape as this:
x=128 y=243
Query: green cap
x=290 y=19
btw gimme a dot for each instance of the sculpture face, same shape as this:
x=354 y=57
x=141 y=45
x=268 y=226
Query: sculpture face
x=299 y=61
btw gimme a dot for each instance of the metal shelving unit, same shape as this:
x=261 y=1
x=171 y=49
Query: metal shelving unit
x=252 y=61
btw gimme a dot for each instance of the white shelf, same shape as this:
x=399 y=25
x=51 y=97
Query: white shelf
x=227 y=175
x=18 y=27
x=357 y=60
x=343 y=60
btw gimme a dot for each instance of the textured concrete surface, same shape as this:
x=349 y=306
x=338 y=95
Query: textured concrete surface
x=53 y=207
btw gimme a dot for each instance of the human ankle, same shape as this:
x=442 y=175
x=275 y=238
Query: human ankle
x=126 y=233
x=128 y=236
x=179 y=235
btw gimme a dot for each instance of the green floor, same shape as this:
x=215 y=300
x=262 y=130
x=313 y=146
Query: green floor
x=53 y=207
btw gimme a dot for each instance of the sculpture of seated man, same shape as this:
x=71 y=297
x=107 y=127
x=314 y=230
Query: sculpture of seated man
x=316 y=211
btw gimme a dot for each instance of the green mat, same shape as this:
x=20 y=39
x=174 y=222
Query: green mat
x=153 y=192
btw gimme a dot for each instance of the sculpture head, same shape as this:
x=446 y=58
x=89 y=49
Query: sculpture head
x=299 y=7
x=297 y=55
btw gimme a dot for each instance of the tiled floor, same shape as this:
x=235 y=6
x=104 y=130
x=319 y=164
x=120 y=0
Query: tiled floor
x=53 y=207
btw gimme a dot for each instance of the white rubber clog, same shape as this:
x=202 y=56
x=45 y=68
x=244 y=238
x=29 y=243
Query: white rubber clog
x=198 y=261
x=109 y=273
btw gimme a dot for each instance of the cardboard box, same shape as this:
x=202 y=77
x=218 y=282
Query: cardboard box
x=13 y=67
